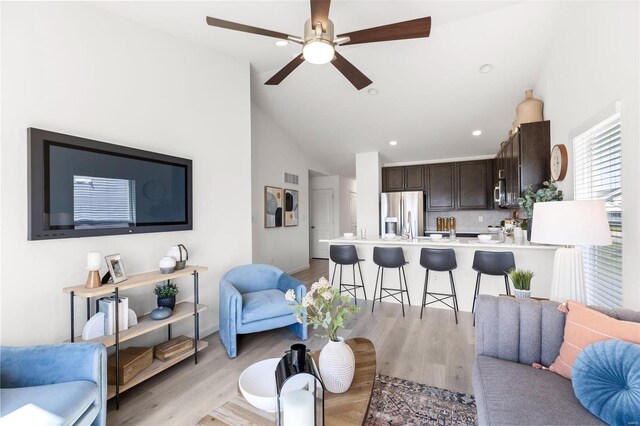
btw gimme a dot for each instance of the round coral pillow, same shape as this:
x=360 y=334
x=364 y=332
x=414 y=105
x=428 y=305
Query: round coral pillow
x=606 y=381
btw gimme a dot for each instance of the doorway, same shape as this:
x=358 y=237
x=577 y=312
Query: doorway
x=320 y=221
x=353 y=214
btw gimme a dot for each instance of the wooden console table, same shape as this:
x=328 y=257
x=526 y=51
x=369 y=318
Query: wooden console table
x=342 y=409
x=145 y=323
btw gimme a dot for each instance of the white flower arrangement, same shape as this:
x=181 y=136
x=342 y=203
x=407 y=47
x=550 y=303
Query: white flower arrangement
x=325 y=307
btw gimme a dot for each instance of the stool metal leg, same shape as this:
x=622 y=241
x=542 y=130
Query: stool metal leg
x=401 y=292
x=453 y=293
x=381 y=283
x=506 y=285
x=364 y=290
x=340 y=275
x=405 y=285
x=424 y=293
x=335 y=265
x=355 y=291
x=375 y=290
x=475 y=294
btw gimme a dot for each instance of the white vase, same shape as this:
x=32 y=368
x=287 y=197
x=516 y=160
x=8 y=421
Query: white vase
x=337 y=366
x=522 y=294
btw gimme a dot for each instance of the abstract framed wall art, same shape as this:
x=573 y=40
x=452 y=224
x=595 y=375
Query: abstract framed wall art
x=272 y=207
x=291 y=207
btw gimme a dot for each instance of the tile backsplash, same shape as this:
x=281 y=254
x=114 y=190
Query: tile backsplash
x=467 y=220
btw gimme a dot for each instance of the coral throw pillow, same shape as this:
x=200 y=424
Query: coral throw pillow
x=585 y=326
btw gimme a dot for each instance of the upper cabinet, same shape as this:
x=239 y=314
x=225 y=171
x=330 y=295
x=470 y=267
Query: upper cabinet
x=414 y=178
x=474 y=185
x=448 y=186
x=440 y=186
x=392 y=179
x=524 y=161
x=403 y=178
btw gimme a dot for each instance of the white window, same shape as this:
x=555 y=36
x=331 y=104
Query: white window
x=598 y=176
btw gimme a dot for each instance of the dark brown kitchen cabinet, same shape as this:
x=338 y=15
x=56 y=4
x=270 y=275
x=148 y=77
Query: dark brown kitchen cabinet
x=524 y=161
x=473 y=185
x=414 y=178
x=404 y=178
x=392 y=179
x=440 y=186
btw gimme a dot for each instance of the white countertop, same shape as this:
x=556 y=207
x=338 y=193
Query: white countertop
x=460 y=242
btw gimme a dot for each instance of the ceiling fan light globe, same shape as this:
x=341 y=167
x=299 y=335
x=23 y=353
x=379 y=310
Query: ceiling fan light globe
x=318 y=52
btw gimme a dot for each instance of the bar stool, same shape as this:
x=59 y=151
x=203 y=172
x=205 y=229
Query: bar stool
x=492 y=263
x=390 y=257
x=347 y=255
x=441 y=260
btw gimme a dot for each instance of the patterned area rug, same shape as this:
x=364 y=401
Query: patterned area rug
x=403 y=402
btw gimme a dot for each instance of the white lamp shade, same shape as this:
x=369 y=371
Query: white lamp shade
x=94 y=261
x=578 y=223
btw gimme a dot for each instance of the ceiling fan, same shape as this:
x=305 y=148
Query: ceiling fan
x=319 y=42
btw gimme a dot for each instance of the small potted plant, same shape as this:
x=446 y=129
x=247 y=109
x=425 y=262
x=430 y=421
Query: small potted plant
x=166 y=294
x=549 y=192
x=325 y=307
x=521 y=279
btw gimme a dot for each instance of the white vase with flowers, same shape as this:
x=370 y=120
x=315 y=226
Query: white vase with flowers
x=328 y=309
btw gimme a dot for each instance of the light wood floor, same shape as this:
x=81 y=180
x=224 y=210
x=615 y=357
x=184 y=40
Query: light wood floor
x=434 y=351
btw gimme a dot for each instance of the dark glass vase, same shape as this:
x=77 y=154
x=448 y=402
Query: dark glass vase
x=529 y=228
x=169 y=302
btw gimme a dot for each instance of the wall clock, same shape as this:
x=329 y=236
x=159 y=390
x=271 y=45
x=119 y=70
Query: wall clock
x=559 y=162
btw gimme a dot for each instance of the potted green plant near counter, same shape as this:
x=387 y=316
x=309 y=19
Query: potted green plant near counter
x=549 y=192
x=521 y=279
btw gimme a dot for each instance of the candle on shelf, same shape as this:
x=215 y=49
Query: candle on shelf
x=298 y=408
x=94 y=261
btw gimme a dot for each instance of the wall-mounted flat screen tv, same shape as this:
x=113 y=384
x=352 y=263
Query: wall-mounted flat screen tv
x=80 y=187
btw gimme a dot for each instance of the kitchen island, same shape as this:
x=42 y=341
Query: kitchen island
x=535 y=257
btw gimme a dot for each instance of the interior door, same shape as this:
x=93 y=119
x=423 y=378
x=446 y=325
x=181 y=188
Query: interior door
x=353 y=213
x=321 y=222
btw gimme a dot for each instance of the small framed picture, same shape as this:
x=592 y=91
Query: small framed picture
x=116 y=268
x=272 y=207
x=291 y=207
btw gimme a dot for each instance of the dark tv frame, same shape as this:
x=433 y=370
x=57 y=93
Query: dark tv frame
x=37 y=138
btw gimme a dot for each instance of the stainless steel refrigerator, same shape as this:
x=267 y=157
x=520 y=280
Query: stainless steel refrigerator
x=402 y=211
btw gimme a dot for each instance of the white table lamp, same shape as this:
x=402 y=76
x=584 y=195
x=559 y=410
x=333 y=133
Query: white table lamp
x=570 y=223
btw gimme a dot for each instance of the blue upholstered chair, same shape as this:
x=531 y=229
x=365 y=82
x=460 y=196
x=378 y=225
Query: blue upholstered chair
x=252 y=300
x=63 y=384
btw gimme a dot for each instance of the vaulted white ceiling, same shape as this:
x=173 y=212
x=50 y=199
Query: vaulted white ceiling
x=431 y=95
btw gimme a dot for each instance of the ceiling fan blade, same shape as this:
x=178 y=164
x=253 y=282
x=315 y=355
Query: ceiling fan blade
x=320 y=12
x=416 y=28
x=215 y=22
x=353 y=74
x=284 y=72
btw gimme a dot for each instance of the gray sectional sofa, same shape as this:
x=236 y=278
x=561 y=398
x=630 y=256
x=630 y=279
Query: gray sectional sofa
x=512 y=334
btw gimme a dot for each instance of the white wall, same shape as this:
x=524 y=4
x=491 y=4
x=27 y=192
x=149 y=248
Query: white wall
x=346 y=186
x=273 y=153
x=76 y=69
x=368 y=181
x=588 y=68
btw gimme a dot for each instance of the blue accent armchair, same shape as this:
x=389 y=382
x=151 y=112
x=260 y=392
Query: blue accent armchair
x=252 y=300
x=63 y=384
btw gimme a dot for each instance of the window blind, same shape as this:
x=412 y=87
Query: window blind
x=104 y=202
x=598 y=176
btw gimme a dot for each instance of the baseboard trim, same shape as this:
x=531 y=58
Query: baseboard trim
x=300 y=269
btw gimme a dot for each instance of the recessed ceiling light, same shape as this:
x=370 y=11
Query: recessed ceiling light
x=281 y=43
x=373 y=91
x=393 y=143
x=476 y=132
x=485 y=68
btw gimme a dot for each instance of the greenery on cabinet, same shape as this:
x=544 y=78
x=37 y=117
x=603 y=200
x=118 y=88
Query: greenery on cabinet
x=521 y=278
x=165 y=290
x=549 y=192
